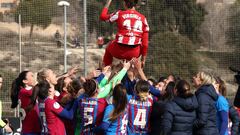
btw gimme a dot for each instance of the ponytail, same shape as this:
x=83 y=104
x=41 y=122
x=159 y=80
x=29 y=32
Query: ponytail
x=33 y=98
x=17 y=84
x=119 y=101
x=39 y=91
x=74 y=87
x=183 y=89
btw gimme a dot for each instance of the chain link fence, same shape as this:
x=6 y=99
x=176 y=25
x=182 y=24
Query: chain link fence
x=186 y=36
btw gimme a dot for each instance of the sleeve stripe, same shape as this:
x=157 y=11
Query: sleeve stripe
x=114 y=17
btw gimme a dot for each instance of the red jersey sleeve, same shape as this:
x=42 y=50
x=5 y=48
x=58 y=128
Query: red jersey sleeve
x=145 y=38
x=145 y=25
x=108 y=17
x=56 y=107
x=104 y=15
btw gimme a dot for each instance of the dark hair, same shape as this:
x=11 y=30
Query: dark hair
x=183 y=89
x=0 y=75
x=131 y=3
x=222 y=86
x=90 y=87
x=60 y=84
x=74 y=87
x=175 y=77
x=142 y=88
x=39 y=91
x=43 y=89
x=154 y=82
x=169 y=92
x=119 y=101
x=72 y=92
x=161 y=79
x=17 y=84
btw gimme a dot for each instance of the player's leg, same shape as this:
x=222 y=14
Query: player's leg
x=107 y=58
x=126 y=52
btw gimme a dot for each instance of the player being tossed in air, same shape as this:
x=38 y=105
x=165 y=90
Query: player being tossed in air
x=132 y=34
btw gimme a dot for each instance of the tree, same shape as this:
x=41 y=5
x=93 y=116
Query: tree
x=171 y=53
x=180 y=16
x=36 y=12
x=94 y=8
x=233 y=32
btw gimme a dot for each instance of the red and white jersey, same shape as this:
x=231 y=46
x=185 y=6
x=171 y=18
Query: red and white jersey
x=131 y=26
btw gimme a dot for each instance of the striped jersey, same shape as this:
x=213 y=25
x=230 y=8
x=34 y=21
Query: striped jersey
x=139 y=115
x=91 y=113
x=131 y=25
x=41 y=107
x=117 y=127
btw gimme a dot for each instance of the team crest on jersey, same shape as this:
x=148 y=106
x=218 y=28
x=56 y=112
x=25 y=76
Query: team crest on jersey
x=56 y=105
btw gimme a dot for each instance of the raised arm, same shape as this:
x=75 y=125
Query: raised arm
x=105 y=90
x=106 y=71
x=138 y=66
x=71 y=72
x=104 y=15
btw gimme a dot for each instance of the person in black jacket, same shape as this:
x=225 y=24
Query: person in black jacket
x=236 y=101
x=237 y=96
x=205 y=124
x=180 y=113
x=158 y=108
x=233 y=115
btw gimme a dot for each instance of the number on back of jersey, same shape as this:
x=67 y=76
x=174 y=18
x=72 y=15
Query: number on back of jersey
x=140 y=119
x=88 y=118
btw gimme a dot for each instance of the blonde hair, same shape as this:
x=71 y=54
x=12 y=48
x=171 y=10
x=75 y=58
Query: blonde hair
x=206 y=78
x=42 y=74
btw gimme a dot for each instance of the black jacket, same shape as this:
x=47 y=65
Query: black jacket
x=237 y=98
x=156 y=116
x=233 y=115
x=179 y=116
x=206 y=112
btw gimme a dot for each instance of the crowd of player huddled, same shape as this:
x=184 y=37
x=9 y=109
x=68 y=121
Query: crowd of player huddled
x=120 y=99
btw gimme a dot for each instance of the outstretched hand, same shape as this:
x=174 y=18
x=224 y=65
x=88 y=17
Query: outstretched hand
x=93 y=74
x=73 y=70
x=106 y=69
x=143 y=60
x=137 y=64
